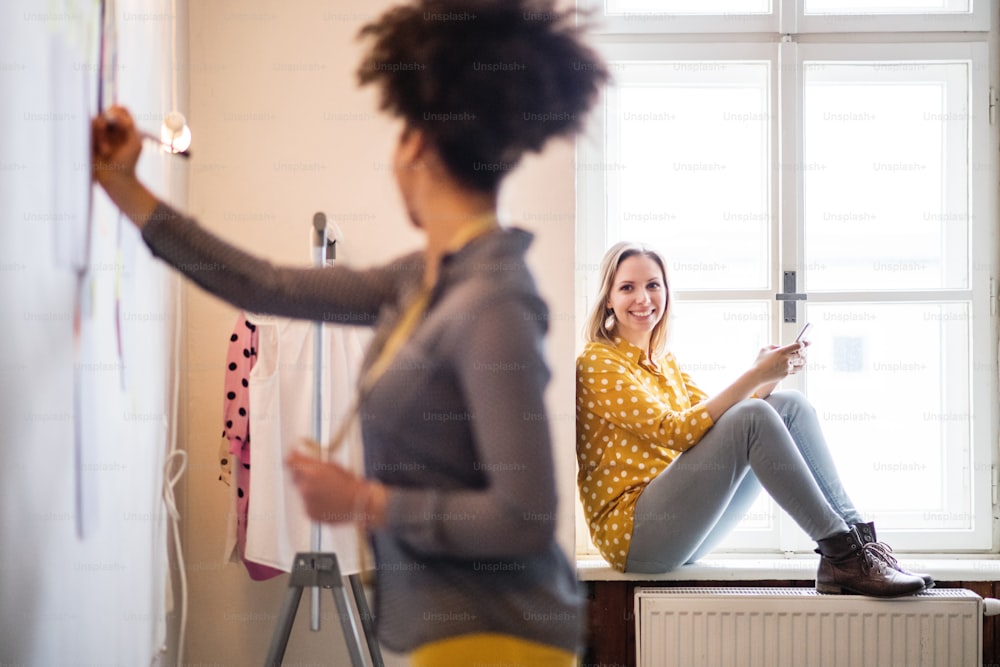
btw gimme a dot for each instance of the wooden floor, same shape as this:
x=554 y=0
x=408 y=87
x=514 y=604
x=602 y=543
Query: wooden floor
x=611 y=616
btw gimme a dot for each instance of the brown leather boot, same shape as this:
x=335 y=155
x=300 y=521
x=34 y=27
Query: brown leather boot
x=866 y=531
x=848 y=565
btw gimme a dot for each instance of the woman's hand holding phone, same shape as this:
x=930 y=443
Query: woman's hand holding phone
x=776 y=362
x=799 y=362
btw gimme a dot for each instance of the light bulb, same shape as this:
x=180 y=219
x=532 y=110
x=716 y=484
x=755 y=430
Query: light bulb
x=175 y=133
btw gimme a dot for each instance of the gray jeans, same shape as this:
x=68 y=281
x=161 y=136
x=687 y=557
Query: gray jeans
x=776 y=443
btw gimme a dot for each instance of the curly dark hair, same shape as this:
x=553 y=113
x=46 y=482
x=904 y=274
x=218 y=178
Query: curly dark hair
x=485 y=80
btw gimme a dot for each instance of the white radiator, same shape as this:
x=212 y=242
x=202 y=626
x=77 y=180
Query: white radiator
x=798 y=627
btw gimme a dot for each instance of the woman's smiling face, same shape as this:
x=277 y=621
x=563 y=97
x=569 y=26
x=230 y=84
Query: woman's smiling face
x=638 y=298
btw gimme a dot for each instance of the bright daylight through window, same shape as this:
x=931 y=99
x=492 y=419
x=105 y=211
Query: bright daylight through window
x=829 y=161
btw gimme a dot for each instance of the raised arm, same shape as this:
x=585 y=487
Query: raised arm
x=336 y=294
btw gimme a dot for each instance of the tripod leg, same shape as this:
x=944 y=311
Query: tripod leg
x=283 y=628
x=320 y=570
x=366 y=619
x=347 y=624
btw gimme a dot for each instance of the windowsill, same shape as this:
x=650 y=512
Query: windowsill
x=742 y=568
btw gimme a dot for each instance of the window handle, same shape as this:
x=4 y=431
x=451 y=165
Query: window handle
x=790 y=296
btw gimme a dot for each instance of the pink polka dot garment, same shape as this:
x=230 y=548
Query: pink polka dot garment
x=240 y=359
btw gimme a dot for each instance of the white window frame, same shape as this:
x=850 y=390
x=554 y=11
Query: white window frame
x=787 y=52
x=981 y=203
x=785 y=17
x=976 y=20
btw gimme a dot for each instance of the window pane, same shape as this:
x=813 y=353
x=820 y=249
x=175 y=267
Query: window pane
x=702 y=335
x=688 y=6
x=890 y=382
x=695 y=176
x=886 y=6
x=885 y=175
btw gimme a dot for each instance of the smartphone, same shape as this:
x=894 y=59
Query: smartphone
x=802 y=332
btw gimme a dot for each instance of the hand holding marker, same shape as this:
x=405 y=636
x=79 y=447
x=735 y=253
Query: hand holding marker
x=175 y=135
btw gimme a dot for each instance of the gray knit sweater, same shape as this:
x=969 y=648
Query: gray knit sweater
x=456 y=428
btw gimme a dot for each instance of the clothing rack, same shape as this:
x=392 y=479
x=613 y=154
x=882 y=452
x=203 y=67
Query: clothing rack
x=317 y=569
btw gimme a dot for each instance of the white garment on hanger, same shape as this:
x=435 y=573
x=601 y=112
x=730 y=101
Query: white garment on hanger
x=281 y=413
x=231 y=551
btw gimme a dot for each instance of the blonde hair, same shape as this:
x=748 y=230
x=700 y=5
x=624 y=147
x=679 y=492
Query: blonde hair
x=597 y=329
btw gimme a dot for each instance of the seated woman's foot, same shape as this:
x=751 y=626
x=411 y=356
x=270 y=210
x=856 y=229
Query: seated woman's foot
x=866 y=531
x=849 y=565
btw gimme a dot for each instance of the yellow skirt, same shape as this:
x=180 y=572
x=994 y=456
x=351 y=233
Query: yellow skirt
x=490 y=650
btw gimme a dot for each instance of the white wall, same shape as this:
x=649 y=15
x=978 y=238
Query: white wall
x=67 y=599
x=282 y=132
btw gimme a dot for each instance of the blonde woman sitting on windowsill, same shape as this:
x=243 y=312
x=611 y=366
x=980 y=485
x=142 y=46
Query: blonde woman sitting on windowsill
x=666 y=471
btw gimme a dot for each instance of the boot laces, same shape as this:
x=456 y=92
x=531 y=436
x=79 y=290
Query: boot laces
x=874 y=558
x=884 y=552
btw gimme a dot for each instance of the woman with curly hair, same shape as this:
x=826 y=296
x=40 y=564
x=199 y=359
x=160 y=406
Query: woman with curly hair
x=458 y=495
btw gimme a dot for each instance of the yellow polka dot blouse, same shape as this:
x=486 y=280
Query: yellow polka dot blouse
x=632 y=419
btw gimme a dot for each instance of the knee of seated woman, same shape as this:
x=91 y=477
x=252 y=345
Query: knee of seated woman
x=790 y=399
x=751 y=406
x=754 y=410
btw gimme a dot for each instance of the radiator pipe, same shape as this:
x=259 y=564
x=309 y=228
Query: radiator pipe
x=991 y=606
